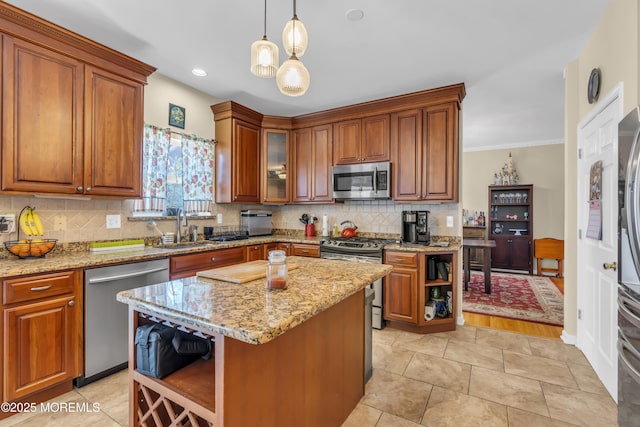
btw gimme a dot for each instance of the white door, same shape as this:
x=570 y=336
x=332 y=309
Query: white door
x=597 y=287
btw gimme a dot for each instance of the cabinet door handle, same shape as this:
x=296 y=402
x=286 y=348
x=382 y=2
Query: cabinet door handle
x=213 y=258
x=88 y=189
x=304 y=251
x=72 y=303
x=398 y=260
x=79 y=189
x=41 y=288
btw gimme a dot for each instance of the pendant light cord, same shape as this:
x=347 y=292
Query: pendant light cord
x=265 y=19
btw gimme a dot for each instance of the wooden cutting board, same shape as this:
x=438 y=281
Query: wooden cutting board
x=240 y=273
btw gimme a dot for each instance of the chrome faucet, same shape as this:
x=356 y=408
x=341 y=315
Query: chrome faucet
x=179 y=213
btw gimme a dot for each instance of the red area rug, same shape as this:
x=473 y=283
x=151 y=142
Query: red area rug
x=515 y=296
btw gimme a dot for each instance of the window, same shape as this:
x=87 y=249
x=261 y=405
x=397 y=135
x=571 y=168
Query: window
x=177 y=171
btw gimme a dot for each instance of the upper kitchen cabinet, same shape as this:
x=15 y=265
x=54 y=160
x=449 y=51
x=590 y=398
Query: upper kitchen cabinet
x=72 y=111
x=424 y=148
x=238 y=168
x=361 y=140
x=113 y=129
x=276 y=167
x=311 y=161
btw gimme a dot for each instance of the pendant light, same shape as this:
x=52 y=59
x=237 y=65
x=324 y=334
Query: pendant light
x=295 y=34
x=293 y=78
x=264 y=54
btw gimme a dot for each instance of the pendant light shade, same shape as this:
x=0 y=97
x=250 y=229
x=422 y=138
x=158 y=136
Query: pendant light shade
x=264 y=58
x=264 y=54
x=295 y=37
x=293 y=78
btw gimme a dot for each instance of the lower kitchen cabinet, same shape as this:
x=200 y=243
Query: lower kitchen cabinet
x=181 y=266
x=253 y=252
x=410 y=287
x=42 y=325
x=400 y=287
x=305 y=249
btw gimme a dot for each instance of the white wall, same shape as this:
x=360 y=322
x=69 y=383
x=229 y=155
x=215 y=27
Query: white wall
x=613 y=47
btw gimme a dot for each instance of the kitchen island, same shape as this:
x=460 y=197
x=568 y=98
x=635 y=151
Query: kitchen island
x=291 y=357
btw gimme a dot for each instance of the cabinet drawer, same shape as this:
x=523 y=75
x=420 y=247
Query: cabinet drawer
x=34 y=287
x=193 y=263
x=302 y=249
x=408 y=259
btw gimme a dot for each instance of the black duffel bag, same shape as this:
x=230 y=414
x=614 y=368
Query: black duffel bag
x=159 y=352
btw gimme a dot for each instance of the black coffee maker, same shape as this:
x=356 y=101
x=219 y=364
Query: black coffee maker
x=415 y=227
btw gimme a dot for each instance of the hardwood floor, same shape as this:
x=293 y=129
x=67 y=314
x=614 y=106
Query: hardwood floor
x=521 y=326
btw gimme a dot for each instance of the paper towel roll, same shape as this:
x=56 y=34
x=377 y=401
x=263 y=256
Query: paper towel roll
x=325 y=225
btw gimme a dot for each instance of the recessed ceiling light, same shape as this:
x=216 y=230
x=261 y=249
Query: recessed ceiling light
x=198 y=72
x=354 y=14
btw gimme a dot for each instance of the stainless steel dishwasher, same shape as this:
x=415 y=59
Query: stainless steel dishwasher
x=106 y=320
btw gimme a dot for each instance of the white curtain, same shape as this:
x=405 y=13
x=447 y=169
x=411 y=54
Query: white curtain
x=197 y=174
x=154 y=170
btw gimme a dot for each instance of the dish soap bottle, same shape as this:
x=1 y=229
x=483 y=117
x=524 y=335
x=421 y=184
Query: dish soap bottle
x=277 y=270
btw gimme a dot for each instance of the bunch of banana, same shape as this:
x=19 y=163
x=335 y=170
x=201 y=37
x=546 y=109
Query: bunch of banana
x=30 y=222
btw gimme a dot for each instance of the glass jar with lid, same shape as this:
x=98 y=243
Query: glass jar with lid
x=277 y=270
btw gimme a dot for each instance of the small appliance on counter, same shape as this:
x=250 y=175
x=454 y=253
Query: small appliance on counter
x=415 y=227
x=257 y=222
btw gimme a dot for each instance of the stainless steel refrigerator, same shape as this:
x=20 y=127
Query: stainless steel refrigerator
x=629 y=270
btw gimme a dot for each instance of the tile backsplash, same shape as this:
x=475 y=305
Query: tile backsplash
x=72 y=220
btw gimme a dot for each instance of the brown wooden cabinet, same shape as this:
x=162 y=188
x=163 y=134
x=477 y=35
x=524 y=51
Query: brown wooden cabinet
x=361 y=140
x=424 y=147
x=181 y=266
x=254 y=252
x=511 y=226
x=401 y=287
x=113 y=134
x=407 y=290
x=42 y=324
x=312 y=158
x=305 y=249
x=238 y=170
x=275 y=166
x=72 y=112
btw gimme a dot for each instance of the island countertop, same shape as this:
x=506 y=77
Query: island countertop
x=249 y=312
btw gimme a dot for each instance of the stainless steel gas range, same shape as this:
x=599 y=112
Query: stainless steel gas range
x=359 y=249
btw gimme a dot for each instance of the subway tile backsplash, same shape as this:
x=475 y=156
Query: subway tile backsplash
x=70 y=220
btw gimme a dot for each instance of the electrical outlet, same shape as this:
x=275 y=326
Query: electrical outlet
x=219 y=218
x=449 y=221
x=59 y=223
x=7 y=223
x=113 y=221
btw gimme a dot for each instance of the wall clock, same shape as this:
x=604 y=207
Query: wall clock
x=593 y=88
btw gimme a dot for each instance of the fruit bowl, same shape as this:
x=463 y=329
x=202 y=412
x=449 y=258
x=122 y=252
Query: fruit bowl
x=32 y=248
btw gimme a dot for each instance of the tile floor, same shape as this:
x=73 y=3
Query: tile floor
x=470 y=377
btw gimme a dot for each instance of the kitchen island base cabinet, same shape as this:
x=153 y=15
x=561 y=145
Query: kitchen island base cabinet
x=312 y=375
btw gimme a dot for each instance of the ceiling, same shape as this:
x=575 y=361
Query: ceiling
x=509 y=53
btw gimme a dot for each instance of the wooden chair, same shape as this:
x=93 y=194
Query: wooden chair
x=548 y=248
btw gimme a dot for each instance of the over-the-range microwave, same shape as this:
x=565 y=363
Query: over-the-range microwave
x=362 y=181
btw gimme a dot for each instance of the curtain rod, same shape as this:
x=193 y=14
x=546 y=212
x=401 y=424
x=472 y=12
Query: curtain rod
x=213 y=141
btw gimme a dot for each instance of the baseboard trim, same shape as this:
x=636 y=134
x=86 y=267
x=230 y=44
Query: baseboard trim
x=568 y=338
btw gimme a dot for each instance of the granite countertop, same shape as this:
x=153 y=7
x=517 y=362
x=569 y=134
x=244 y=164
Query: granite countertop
x=412 y=247
x=71 y=260
x=57 y=261
x=249 y=312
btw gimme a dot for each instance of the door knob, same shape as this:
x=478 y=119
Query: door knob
x=72 y=303
x=610 y=266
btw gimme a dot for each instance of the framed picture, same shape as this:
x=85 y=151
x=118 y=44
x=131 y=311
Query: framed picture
x=176 y=116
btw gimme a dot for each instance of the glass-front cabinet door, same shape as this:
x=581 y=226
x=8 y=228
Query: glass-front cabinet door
x=275 y=187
